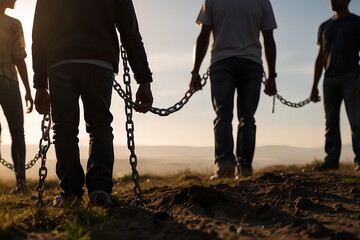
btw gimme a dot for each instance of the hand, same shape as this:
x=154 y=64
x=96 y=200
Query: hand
x=42 y=101
x=144 y=98
x=270 y=87
x=29 y=102
x=314 y=96
x=195 y=82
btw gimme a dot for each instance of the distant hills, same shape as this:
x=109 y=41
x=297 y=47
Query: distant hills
x=164 y=159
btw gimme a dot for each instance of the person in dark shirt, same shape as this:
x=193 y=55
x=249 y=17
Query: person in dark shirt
x=339 y=46
x=76 y=52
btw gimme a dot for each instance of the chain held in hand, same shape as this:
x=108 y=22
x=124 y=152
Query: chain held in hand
x=158 y=111
x=284 y=101
x=138 y=201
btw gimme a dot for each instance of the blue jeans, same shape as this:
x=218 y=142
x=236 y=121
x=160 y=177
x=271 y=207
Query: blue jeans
x=69 y=82
x=10 y=101
x=336 y=90
x=245 y=77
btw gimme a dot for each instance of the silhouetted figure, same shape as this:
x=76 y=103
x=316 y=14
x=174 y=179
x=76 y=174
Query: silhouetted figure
x=339 y=46
x=75 y=46
x=12 y=54
x=236 y=65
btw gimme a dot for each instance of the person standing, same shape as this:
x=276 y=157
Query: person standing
x=76 y=51
x=236 y=65
x=338 y=54
x=12 y=55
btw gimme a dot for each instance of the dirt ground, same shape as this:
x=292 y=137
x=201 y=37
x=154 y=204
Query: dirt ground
x=273 y=205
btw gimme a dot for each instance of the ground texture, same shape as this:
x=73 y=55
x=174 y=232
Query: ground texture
x=269 y=205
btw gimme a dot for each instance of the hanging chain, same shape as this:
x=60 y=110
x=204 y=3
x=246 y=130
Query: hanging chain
x=44 y=146
x=160 y=111
x=29 y=165
x=138 y=201
x=286 y=102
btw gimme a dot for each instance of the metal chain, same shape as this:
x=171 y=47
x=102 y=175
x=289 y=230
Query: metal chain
x=161 y=111
x=29 y=165
x=138 y=201
x=44 y=146
x=286 y=102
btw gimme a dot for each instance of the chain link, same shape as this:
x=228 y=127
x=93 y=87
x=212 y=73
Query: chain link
x=44 y=146
x=127 y=96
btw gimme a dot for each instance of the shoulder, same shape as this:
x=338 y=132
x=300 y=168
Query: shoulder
x=12 y=22
x=326 y=23
x=355 y=18
x=264 y=3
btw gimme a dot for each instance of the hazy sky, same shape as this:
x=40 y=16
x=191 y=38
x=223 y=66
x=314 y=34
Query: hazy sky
x=169 y=32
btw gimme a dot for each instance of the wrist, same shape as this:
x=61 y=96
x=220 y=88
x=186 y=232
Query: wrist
x=145 y=84
x=273 y=75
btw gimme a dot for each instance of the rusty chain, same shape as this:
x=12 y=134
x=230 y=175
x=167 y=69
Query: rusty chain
x=44 y=146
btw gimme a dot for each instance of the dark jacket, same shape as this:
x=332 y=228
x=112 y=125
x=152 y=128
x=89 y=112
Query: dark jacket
x=86 y=29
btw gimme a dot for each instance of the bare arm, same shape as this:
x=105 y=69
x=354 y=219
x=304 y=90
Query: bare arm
x=21 y=66
x=270 y=54
x=319 y=65
x=201 y=47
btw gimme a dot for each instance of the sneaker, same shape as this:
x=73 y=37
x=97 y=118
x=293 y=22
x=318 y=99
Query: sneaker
x=223 y=169
x=246 y=171
x=21 y=188
x=67 y=201
x=100 y=198
x=357 y=166
x=326 y=166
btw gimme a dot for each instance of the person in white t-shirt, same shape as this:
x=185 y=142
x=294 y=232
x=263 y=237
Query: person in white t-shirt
x=236 y=65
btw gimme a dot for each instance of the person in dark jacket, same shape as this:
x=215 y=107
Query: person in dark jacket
x=339 y=47
x=75 y=54
x=12 y=55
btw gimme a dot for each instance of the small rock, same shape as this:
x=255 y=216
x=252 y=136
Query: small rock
x=303 y=203
x=232 y=228
x=339 y=208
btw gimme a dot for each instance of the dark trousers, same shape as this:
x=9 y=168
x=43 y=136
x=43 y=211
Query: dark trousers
x=227 y=76
x=10 y=101
x=336 y=90
x=69 y=82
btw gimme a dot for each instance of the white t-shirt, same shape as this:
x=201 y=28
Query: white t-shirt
x=236 y=26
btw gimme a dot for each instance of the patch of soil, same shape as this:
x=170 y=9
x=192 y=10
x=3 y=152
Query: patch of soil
x=275 y=205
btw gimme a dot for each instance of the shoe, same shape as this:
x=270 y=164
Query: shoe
x=22 y=188
x=246 y=171
x=326 y=166
x=100 y=198
x=223 y=169
x=357 y=166
x=67 y=201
